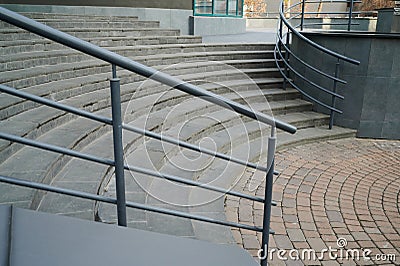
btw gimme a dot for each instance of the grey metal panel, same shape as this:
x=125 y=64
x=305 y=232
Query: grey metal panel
x=46 y=239
x=5 y=211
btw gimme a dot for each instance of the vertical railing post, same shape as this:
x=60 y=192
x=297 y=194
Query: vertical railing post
x=303 y=8
x=350 y=14
x=286 y=58
x=118 y=147
x=280 y=34
x=268 y=197
x=333 y=96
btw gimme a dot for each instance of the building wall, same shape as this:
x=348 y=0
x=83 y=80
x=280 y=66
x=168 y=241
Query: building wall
x=169 y=18
x=170 y=4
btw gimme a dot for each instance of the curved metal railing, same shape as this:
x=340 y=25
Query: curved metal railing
x=288 y=61
x=116 y=122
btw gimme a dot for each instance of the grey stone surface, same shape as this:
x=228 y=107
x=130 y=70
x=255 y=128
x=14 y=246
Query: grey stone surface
x=202 y=25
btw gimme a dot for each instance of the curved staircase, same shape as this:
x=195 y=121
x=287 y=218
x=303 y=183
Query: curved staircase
x=245 y=73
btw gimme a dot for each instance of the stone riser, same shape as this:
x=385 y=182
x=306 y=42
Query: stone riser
x=165 y=56
x=97 y=103
x=81 y=17
x=9 y=35
x=19 y=46
x=91 y=24
x=126 y=78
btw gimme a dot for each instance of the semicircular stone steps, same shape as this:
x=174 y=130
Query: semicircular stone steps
x=48 y=136
x=82 y=82
x=90 y=100
x=65 y=75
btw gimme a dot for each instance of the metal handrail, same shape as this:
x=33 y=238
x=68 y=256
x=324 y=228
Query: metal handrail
x=140 y=206
x=314 y=44
x=128 y=64
x=308 y=65
x=289 y=70
x=312 y=68
x=306 y=94
x=118 y=126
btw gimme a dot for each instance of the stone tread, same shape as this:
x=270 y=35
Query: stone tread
x=154 y=50
x=41 y=117
x=98 y=66
x=89 y=29
x=47 y=118
x=43 y=41
x=66 y=24
x=50 y=89
x=39 y=15
x=17 y=61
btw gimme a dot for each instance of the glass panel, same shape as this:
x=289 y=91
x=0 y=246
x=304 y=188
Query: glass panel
x=203 y=7
x=220 y=7
x=232 y=7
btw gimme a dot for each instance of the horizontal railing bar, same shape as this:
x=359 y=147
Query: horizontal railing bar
x=145 y=207
x=306 y=94
x=317 y=2
x=306 y=79
x=193 y=147
x=108 y=121
x=54 y=104
x=293 y=17
x=76 y=154
x=330 y=13
x=308 y=65
x=192 y=183
x=313 y=44
x=327 y=24
x=331 y=1
x=128 y=64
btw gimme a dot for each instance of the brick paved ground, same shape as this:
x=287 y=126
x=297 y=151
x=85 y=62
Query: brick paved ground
x=335 y=189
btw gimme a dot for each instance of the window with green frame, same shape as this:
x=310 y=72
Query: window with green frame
x=218 y=8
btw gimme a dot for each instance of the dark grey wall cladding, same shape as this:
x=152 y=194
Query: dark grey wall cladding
x=169 y=4
x=372 y=95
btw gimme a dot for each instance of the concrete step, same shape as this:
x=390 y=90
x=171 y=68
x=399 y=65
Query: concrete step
x=19 y=34
x=164 y=193
x=65 y=126
x=309 y=135
x=57 y=16
x=23 y=46
x=81 y=23
x=98 y=99
x=68 y=85
x=19 y=78
x=151 y=55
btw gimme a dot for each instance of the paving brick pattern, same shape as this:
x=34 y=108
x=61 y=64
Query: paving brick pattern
x=347 y=188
